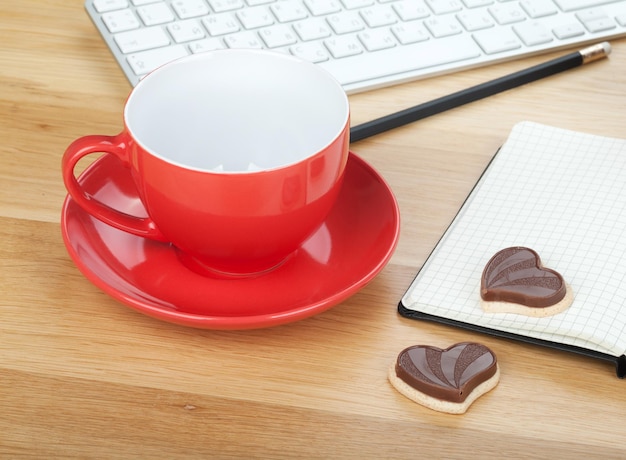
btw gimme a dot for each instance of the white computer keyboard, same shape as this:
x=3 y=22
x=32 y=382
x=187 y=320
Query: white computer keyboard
x=365 y=43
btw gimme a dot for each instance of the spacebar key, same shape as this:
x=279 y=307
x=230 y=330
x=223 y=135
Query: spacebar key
x=406 y=58
x=573 y=5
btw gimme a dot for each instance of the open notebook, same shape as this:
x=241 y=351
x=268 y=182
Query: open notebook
x=563 y=194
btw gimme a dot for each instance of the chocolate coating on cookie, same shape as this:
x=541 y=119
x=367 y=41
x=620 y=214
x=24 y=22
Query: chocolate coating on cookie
x=516 y=275
x=448 y=375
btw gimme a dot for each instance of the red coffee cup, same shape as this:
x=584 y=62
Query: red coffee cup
x=237 y=155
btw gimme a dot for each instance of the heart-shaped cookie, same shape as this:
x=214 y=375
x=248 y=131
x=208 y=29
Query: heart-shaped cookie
x=447 y=380
x=516 y=275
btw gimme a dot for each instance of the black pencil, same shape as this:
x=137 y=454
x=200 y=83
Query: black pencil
x=560 y=64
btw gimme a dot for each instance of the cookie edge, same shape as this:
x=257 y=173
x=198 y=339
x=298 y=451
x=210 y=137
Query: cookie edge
x=535 y=312
x=440 y=405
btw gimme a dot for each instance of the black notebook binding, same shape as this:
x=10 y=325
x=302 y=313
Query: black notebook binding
x=620 y=361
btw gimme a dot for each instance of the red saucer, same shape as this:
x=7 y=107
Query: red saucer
x=350 y=248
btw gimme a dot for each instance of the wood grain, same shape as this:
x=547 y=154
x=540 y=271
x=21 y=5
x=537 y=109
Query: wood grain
x=83 y=376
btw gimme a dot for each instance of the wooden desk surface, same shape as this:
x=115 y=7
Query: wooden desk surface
x=82 y=375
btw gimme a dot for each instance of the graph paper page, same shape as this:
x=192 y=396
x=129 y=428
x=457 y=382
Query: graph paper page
x=563 y=194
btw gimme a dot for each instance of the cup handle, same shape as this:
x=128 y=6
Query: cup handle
x=118 y=146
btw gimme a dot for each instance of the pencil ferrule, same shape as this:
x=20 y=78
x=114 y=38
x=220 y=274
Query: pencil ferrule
x=593 y=53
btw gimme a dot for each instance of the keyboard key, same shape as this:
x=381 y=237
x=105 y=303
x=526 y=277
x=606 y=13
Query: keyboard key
x=591 y=15
x=354 y=4
x=154 y=14
x=475 y=20
x=599 y=25
x=120 y=20
x=412 y=32
x=595 y=20
x=220 y=6
x=221 y=24
x=103 y=6
x=141 y=39
x=381 y=15
x=341 y=47
x=243 y=40
x=185 y=31
x=186 y=9
x=345 y=22
x=377 y=39
x=253 y=18
x=312 y=29
x=312 y=51
x=146 y=61
x=444 y=6
x=206 y=44
x=443 y=26
x=401 y=59
x=497 y=41
x=289 y=11
x=477 y=3
x=278 y=36
x=538 y=8
x=409 y=10
x=568 y=31
x=533 y=33
x=507 y=14
x=322 y=7
x=573 y=5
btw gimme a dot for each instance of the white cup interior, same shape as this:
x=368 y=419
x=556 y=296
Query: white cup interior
x=236 y=111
